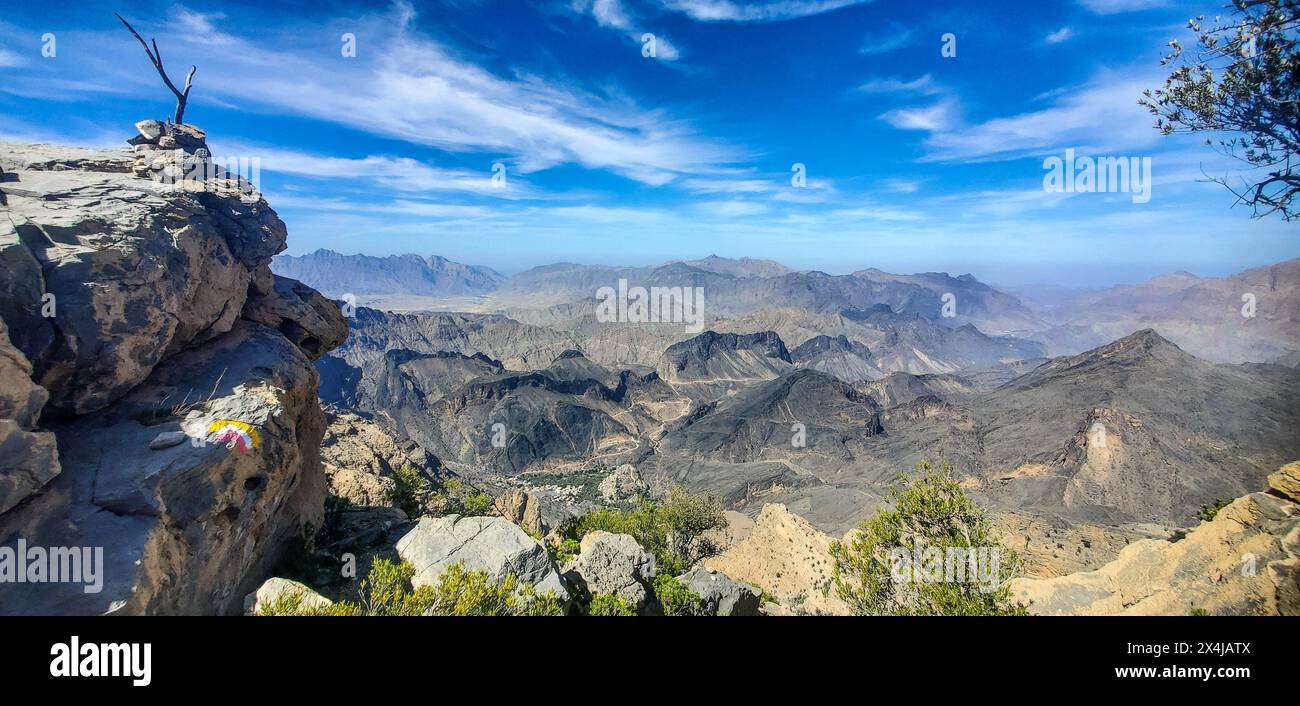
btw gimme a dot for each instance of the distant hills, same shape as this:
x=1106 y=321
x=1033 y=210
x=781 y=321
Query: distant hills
x=336 y=274
x=1252 y=316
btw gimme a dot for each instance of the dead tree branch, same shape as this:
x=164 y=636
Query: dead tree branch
x=155 y=57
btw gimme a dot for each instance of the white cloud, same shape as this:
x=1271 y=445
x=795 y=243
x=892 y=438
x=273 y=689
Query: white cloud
x=934 y=118
x=10 y=59
x=901 y=186
x=614 y=14
x=396 y=173
x=896 y=38
x=755 y=10
x=1100 y=116
x=923 y=85
x=1111 y=7
x=1059 y=35
x=415 y=89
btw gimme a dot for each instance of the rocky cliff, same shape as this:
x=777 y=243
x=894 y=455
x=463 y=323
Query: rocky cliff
x=160 y=400
x=1245 y=561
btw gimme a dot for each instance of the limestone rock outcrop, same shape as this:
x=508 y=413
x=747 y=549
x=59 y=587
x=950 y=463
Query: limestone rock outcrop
x=181 y=389
x=274 y=589
x=613 y=564
x=490 y=544
x=522 y=508
x=787 y=557
x=722 y=595
x=1246 y=561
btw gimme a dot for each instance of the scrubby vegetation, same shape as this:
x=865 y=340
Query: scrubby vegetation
x=676 y=530
x=877 y=571
x=1209 y=511
x=409 y=489
x=675 y=597
x=458 y=497
x=387 y=590
x=610 y=605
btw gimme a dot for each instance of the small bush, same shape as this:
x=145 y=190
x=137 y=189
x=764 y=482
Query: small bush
x=931 y=512
x=675 y=597
x=675 y=529
x=610 y=605
x=1209 y=511
x=409 y=490
x=458 y=497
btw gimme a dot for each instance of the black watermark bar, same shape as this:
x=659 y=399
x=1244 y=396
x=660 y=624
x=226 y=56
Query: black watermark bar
x=342 y=655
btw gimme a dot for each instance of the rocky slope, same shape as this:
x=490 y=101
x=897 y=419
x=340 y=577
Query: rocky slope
x=1246 y=561
x=179 y=374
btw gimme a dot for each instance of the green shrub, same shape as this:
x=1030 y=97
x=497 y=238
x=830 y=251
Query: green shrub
x=931 y=512
x=409 y=490
x=610 y=605
x=387 y=590
x=675 y=529
x=1211 y=510
x=675 y=597
x=458 y=497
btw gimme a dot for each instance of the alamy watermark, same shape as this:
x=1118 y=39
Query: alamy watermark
x=1082 y=174
x=36 y=564
x=975 y=565
x=646 y=305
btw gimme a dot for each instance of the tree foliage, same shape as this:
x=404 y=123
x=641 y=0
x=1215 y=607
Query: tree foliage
x=387 y=590
x=676 y=530
x=1241 y=86
x=931 y=516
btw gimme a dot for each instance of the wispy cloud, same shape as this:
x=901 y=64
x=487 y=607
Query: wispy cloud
x=755 y=10
x=614 y=14
x=1110 y=7
x=923 y=85
x=895 y=38
x=1059 y=35
x=1101 y=115
x=419 y=90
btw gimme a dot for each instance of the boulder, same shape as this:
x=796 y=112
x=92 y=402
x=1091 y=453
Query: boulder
x=315 y=324
x=275 y=588
x=522 y=508
x=613 y=563
x=490 y=544
x=359 y=487
x=722 y=595
x=621 y=484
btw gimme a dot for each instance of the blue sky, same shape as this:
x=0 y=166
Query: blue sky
x=914 y=161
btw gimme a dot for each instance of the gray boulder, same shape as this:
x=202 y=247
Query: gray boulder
x=275 y=588
x=615 y=564
x=721 y=594
x=490 y=544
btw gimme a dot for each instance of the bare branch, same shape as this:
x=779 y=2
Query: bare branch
x=155 y=58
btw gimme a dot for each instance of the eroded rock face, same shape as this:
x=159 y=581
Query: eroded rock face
x=28 y=459
x=1246 y=561
x=522 y=508
x=787 y=557
x=134 y=270
x=623 y=483
x=614 y=564
x=186 y=418
x=360 y=459
x=490 y=544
